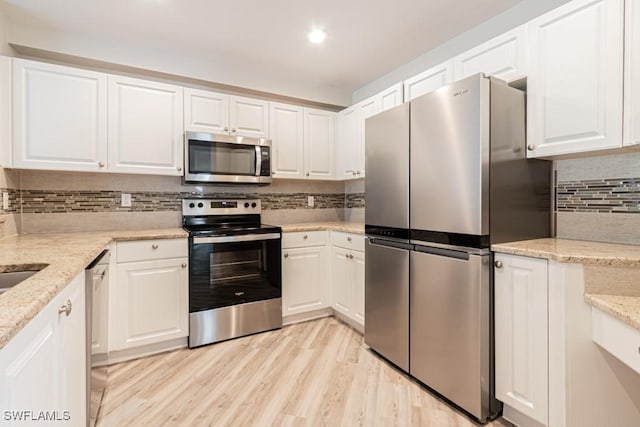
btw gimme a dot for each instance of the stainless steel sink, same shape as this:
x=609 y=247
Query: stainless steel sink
x=12 y=278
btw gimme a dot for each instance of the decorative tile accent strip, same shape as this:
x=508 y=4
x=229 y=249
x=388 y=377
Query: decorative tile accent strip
x=37 y=201
x=14 y=201
x=620 y=195
x=355 y=200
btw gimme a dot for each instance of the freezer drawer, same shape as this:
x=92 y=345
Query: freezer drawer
x=386 y=328
x=450 y=341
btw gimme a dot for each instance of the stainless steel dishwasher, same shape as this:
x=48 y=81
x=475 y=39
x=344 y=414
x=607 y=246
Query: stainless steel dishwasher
x=96 y=276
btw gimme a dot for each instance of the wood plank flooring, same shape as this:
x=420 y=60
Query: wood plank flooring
x=318 y=373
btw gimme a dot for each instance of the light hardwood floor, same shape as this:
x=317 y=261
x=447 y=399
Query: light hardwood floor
x=317 y=373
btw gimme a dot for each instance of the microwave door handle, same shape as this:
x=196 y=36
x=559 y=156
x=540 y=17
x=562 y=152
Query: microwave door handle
x=258 y=160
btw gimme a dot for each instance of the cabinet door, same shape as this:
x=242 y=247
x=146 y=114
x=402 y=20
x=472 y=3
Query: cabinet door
x=391 y=97
x=42 y=368
x=249 y=117
x=318 y=143
x=5 y=112
x=347 y=143
x=428 y=81
x=521 y=349
x=287 y=140
x=150 y=303
x=503 y=57
x=367 y=108
x=574 y=86
x=632 y=70
x=59 y=117
x=304 y=284
x=358 y=286
x=342 y=295
x=206 y=111
x=145 y=127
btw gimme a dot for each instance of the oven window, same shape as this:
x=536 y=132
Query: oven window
x=220 y=158
x=225 y=274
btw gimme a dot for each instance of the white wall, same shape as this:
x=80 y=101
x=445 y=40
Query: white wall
x=511 y=18
x=5 y=49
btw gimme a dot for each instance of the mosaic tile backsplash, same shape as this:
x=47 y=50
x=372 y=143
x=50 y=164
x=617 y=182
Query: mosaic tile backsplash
x=48 y=201
x=599 y=196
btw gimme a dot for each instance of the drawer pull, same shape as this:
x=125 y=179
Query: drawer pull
x=305 y=237
x=154 y=246
x=286 y=255
x=349 y=239
x=65 y=308
x=184 y=265
x=498 y=264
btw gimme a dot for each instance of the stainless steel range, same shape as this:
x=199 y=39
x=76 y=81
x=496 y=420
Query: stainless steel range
x=235 y=274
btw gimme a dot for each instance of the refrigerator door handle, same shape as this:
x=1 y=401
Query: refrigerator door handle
x=443 y=252
x=389 y=243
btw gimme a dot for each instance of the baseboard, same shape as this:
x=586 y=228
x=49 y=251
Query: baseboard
x=146 y=350
x=309 y=315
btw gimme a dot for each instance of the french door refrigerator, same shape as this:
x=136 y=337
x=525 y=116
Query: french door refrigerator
x=470 y=185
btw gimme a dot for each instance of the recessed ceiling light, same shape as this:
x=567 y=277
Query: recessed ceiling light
x=317 y=36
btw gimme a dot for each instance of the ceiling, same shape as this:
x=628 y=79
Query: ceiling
x=366 y=38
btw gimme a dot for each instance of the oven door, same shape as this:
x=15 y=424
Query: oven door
x=213 y=158
x=232 y=270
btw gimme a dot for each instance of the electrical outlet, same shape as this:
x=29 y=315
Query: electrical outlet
x=311 y=202
x=5 y=200
x=125 y=200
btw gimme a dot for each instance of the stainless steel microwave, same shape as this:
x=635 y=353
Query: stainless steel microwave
x=224 y=159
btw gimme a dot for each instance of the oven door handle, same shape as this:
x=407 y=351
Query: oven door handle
x=232 y=239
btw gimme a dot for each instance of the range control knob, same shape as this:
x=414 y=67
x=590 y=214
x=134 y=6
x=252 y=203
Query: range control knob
x=200 y=205
x=192 y=205
x=253 y=205
x=246 y=205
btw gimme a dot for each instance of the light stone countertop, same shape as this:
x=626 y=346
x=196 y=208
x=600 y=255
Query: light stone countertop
x=624 y=308
x=611 y=271
x=61 y=257
x=574 y=251
x=347 y=227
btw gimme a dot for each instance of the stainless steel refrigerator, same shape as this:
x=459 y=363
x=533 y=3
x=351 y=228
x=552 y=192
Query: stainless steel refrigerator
x=447 y=176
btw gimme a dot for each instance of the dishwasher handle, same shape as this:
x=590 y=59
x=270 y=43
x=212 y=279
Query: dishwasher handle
x=389 y=243
x=443 y=252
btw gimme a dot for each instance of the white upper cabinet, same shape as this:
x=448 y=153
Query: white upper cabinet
x=318 y=143
x=347 y=141
x=248 y=117
x=145 y=127
x=391 y=97
x=428 y=80
x=504 y=57
x=574 y=84
x=632 y=71
x=287 y=138
x=206 y=111
x=5 y=112
x=59 y=117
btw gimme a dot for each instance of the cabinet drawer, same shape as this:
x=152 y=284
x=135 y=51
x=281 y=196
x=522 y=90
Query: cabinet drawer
x=301 y=239
x=146 y=250
x=348 y=240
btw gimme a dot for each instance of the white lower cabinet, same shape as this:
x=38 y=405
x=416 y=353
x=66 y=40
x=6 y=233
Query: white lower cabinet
x=305 y=283
x=521 y=339
x=347 y=269
x=42 y=368
x=149 y=296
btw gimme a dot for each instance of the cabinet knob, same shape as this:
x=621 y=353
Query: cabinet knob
x=358 y=172
x=348 y=238
x=305 y=237
x=154 y=246
x=307 y=173
x=179 y=169
x=65 y=308
x=226 y=129
x=353 y=173
x=233 y=130
x=286 y=255
x=531 y=147
x=101 y=164
x=498 y=264
x=184 y=265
